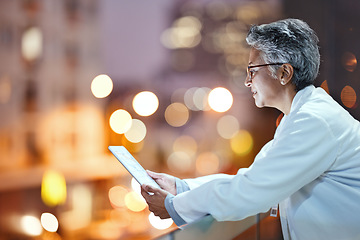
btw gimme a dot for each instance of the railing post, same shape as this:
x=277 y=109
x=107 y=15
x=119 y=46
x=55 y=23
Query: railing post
x=258 y=226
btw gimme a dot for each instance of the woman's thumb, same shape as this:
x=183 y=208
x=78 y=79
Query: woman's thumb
x=152 y=174
x=147 y=188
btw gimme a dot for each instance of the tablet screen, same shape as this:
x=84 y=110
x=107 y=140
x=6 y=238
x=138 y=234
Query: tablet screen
x=133 y=166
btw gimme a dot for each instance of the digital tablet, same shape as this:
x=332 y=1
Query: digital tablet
x=132 y=166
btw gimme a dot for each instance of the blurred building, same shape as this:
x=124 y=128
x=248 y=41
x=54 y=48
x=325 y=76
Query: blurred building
x=71 y=71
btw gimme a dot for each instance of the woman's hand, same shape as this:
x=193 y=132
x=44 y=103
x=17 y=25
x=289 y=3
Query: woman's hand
x=165 y=181
x=155 y=198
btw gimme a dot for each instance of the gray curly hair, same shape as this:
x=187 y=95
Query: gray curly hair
x=288 y=41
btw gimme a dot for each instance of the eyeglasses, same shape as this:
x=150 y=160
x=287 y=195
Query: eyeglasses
x=251 y=73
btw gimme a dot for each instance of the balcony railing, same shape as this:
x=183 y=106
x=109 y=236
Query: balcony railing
x=210 y=229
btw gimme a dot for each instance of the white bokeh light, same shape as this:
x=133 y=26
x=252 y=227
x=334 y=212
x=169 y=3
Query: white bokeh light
x=31 y=225
x=49 y=222
x=220 y=99
x=159 y=223
x=145 y=103
x=137 y=131
x=101 y=86
x=32 y=43
x=120 y=121
x=135 y=186
x=227 y=126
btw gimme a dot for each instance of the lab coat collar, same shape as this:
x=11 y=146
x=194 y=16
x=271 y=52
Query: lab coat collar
x=300 y=97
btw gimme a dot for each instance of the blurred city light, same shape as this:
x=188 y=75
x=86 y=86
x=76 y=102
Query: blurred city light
x=132 y=147
x=185 y=33
x=242 y=143
x=349 y=61
x=32 y=43
x=135 y=186
x=120 y=121
x=218 y=10
x=200 y=98
x=177 y=114
x=145 y=103
x=185 y=144
x=180 y=162
x=5 y=89
x=189 y=99
x=53 y=188
x=31 y=225
x=249 y=13
x=49 y=222
x=188 y=22
x=196 y=99
x=325 y=86
x=101 y=86
x=207 y=163
x=134 y=202
x=117 y=195
x=81 y=202
x=227 y=126
x=220 y=99
x=159 y=223
x=137 y=131
x=348 y=96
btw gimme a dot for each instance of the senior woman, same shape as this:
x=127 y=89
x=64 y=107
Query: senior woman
x=311 y=167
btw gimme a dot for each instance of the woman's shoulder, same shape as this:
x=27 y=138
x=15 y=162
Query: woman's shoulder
x=318 y=103
x=320 y=106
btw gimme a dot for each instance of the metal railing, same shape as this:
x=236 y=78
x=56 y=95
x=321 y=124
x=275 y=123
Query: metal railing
x=210 y=229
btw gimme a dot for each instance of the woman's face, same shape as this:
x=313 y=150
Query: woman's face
x=264 y=87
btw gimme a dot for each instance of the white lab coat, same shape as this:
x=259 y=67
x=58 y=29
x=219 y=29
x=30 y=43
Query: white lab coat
x=311 y=167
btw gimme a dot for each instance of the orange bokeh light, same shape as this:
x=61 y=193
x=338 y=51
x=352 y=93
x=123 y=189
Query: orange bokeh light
x=117 y=195
x=325 y=86
x=348 y=97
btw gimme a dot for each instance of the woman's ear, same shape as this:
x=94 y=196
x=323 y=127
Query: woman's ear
x=286 y=73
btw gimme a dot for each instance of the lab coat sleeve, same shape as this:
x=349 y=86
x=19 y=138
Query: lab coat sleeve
x=303 y=150
x=181 y=186
x=170 y=209
x=196 y=182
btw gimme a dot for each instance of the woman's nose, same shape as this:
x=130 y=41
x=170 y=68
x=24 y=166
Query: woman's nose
x=247 y=81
